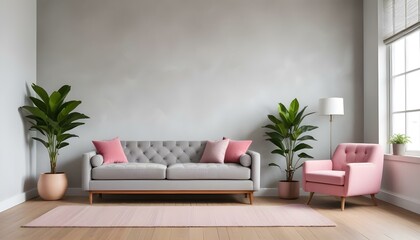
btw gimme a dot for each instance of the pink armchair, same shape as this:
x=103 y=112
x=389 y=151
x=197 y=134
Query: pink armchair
x=355 y=169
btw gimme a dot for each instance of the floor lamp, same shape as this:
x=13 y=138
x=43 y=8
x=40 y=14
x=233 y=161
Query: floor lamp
x=331 y=106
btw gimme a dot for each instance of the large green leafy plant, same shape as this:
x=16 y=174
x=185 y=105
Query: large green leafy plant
x=289 y=136
x=53 y=117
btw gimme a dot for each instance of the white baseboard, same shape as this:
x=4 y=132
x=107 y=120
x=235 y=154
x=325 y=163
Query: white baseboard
x=17 y=199
x=400 y=200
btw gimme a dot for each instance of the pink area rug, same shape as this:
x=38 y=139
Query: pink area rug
x=294 y=215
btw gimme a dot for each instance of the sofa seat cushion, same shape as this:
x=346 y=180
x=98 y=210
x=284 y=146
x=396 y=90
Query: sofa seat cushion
x=125 y=171
x=192 y=171
x=326 y=176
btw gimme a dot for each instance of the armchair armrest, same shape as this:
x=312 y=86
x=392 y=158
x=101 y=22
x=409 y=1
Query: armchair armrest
x=255 y=168
x=362 y=178
x=316 y=165
x=87 y=169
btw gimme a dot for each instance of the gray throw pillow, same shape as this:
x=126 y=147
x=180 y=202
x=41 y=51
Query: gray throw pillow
x=96 y=160
x=245 y=160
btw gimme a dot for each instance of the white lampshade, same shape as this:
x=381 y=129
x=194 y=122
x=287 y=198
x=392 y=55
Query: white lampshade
x=331 y=106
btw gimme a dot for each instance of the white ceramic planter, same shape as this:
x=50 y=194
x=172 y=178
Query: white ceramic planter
x=398 y=149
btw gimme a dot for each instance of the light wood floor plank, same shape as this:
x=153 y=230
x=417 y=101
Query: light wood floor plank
x=360 y=220
x=223 y=233
x=161 y=233
x=196 y=233
x=285 y=233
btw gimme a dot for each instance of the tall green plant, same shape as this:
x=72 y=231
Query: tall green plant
x=288 y=135
x=53 y=117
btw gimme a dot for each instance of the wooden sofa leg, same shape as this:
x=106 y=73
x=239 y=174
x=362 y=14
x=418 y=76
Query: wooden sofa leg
x=251 y=197
x=343 y=203
x=90 y=198
x=374 y=199
x=310 y=198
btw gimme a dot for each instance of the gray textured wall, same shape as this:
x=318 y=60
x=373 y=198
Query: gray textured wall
x=196 y=70
x=17 y=72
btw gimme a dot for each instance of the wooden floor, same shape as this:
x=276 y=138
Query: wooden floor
x=360 y=220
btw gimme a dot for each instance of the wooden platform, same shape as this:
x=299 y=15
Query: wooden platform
x=247 y=194
x=360 y=220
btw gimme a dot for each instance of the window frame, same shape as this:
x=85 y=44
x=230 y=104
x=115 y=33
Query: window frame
x=390 y=79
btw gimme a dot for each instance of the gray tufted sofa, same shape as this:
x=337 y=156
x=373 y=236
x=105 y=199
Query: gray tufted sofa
x=169 y=167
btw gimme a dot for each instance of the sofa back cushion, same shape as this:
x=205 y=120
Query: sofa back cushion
x=163 y=152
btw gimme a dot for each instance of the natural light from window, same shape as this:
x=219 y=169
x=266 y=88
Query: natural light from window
x=405 y=89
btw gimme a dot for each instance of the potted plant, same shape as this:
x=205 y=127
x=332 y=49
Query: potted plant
x=53 y=117
x=398 y=142
x=289 y=136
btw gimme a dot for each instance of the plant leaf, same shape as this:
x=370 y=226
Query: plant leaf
x=54 y=102
x=307 y=128
x=293 y=109
x=66 y=108
x=65 y=136
x=278 y=151
x=64 y=90
x=301 y=146
x=36 y=112
x=304 y=155
x=306 y=137
x=40 y=104
x=272 y=127
x=41 y=93
x=41 y=141
x=273 y=119
x=63 y=144
x=71 y=126
x=274 y=165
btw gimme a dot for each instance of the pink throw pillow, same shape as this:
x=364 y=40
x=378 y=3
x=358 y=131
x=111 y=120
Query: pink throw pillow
x=235 y=149
x=214 y=152
x=111 y=150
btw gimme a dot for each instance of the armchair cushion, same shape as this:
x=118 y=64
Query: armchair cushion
x=326 y=177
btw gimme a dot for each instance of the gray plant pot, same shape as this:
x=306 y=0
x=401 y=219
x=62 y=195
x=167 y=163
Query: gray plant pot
x=288 y=190
x=398 y=149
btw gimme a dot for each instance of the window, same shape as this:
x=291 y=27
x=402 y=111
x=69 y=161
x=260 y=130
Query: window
x=405 y=89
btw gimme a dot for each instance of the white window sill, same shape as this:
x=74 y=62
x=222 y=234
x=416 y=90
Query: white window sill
x=407 y=159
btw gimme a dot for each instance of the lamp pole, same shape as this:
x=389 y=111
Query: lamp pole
x=331 y=118
x=329 y=107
